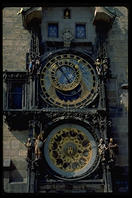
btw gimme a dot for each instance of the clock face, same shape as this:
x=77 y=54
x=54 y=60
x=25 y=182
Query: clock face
x=68 y=80
x=65 y=75
x=71 y=151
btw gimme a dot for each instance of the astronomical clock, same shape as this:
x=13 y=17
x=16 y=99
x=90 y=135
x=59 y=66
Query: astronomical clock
x=69 y=87
x=61 y=96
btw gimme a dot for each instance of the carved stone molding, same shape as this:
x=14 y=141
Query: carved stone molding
x=67 y=37
x=8 y=75
x=103 y=15
x=31 y=14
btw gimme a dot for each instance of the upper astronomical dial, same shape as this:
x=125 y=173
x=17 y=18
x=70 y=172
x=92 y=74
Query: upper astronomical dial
x=65 y=75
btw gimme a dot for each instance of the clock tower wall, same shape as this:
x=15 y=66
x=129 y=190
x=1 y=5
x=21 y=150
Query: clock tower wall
x=16 y=43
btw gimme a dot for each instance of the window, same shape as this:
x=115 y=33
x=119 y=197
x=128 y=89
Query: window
x=15 y=95
x=80 y=31
x=53 y=30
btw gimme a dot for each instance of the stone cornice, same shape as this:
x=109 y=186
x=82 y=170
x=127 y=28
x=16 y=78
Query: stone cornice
x=102 y=14
x=30 y=14
x=15 y=75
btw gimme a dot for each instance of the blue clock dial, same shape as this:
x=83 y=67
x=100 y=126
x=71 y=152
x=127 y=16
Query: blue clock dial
x=69 y=80
x=65 y=75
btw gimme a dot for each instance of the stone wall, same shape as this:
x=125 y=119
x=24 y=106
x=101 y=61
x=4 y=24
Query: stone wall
x=16 y=40
x=14 y=150
x=56 y=15
x=117 y=48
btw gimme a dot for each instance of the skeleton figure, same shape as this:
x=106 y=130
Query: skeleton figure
x=98 y=66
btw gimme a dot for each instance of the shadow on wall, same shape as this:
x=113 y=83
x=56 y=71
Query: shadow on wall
x=15 y=176
x=19 y=135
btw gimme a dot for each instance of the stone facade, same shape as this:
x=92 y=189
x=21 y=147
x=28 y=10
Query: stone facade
x=85 y=16
x=16 y=42
x=117 y=48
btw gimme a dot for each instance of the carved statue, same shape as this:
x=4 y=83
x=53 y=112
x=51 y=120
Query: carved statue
x=98 y=66
x=112 y=150
x=37 y=64
x=105 y=66
x=30 y=66
x=67 y=14
x=38 y=147
x=29 y=149
x=102 y=67
x=102 y=150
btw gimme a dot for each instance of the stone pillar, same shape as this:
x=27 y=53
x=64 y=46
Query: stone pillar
x=32 y=93
x=5 y=95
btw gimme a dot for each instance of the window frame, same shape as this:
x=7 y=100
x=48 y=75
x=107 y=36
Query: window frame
x=53 y=23
x=23 y=93
x=81 y=24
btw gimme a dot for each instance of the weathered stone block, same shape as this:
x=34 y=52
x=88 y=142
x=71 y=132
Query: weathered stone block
x=6 y=163
x=22 y=153
x=15 y=144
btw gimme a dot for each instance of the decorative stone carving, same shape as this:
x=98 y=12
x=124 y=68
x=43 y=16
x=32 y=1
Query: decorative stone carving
x=68 y=37
x=102 y=67
x=112 y=150
x=28 y=144
x=8 y=75
x=102 y=148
